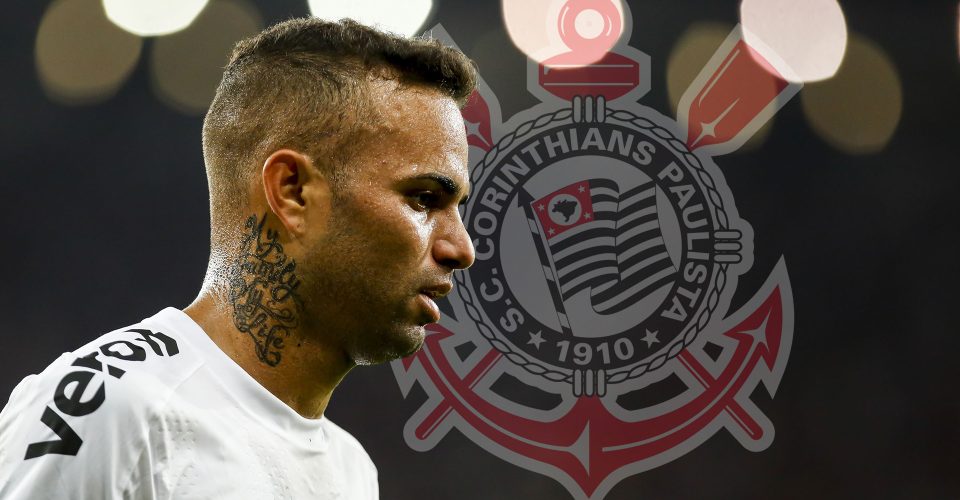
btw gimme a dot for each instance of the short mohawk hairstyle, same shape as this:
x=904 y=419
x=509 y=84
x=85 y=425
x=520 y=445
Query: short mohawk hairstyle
x=303 y=84
x=416 y=60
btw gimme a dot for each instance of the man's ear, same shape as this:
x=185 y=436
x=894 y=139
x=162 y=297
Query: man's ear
x=295 y=190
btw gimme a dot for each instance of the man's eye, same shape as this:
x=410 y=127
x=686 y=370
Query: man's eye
x=425 y=199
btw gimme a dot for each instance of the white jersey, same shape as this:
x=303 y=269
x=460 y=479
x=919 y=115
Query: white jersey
x=157 y=410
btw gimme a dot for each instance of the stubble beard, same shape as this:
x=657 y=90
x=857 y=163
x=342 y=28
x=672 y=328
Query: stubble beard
x=351 y=307
x=352 y=310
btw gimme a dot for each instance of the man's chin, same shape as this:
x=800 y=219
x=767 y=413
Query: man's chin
x=395 y=346
x=413 y=341
x=418 y=342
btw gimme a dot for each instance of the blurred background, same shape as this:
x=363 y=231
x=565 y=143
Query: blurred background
x=854 y=182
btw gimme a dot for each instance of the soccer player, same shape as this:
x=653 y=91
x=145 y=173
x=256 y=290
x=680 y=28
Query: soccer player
x=336 y=161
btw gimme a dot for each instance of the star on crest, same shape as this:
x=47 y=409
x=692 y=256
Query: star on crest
x=581 y=188
x=473 y=128
x=651 y=338
x=552 y=231
x=536 y=339
x=587 y=215
x=540 y=207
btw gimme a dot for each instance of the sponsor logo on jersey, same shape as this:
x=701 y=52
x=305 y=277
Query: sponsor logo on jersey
x=69 y=399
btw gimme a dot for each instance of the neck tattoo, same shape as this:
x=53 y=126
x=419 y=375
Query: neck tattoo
x=263 y=291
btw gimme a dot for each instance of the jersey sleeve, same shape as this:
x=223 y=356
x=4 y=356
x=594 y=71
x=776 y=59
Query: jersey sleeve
x=81 y=428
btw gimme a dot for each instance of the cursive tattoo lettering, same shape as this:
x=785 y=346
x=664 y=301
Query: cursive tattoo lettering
x=263 y=291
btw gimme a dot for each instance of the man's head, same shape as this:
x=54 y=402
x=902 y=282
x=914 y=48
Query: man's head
x=304 y=84
x=351 y=142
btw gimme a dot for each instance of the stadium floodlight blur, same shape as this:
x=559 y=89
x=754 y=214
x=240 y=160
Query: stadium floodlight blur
x=186 y=78
x=537 y=27
x=403 y=18
x=82 y=58
x=803 y=40
x=153 y=17
x=858 y=110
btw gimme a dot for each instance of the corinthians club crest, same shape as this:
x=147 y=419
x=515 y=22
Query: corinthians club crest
x=593 y=337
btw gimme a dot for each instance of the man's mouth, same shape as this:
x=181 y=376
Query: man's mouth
x=428 y=299
x=437 y=291
x=430 y=306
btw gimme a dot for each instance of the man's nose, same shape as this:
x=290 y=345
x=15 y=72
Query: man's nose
x=453 y=248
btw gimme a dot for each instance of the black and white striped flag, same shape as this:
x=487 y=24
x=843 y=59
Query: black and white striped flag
x=600 y=239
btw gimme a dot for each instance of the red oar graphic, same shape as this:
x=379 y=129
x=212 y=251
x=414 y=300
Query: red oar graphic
x=734 y=95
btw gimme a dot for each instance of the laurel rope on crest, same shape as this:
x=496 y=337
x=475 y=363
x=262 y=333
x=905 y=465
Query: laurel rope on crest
x=720 y=214
x=552 y=373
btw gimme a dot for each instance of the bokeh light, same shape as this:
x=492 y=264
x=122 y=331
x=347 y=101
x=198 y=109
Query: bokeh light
x=803 y=40
x=81 y=57
x=689 y=55
x=186 y=67
x=534 y=26
x=404 y=18
x=856 y=111
x=153 y=17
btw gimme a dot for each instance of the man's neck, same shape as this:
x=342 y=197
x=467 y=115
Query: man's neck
x=302 y=373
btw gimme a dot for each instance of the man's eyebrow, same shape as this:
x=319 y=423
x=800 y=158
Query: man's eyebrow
x=448 y=185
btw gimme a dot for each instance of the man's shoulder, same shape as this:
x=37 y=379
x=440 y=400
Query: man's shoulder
x=118 y=379
x=134 y=364
x=341 y=437
x=147 y=347
x=345 y=444
x=89 y=412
